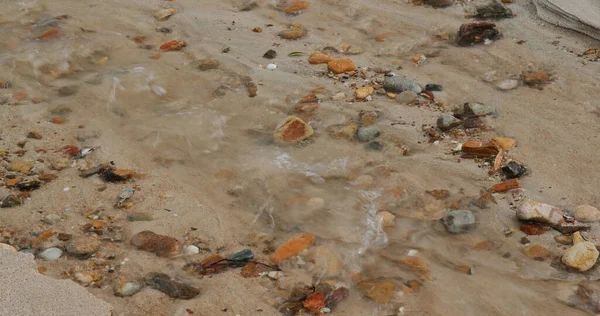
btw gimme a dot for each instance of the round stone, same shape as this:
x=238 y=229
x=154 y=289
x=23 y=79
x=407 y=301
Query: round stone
x=50 y=254
x=587 y=214
x=406 y=97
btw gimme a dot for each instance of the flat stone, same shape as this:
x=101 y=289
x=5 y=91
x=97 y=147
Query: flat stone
x=162 y=246
x=292 y=130
x=380 y=291
x=367 y=134
x=243 y=255
x=172 y=288
x=50 y=254
x=20 y=166
x=587 y=214
x=397 y=84
x=536 y=252
x=479 y=109
x=540 y=212
x=83 y=246
x=508 y=84
x=164 y=14
x=459 y=221
x=582 y=256
x=128 y=288
x=447 y=121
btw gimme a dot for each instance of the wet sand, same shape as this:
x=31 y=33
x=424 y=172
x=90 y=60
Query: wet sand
x=213 y=174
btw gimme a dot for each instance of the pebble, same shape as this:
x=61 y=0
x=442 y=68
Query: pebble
x=164 y=14
x=439 y=3
x=292 y=130
x=536 y=252
x=275 y=275
x=270 y=54
x=476 y=32
x=128 y=288
x=367 y=134
x=434 y=87
x=364 y=181
x=315 y=203
x=174 y=289
x=271 y=67
x=397 y=84
x=564 y=239
x=374 y=146
x=537 y=77
x=582 y=255
x=513 y=170
x=319 y=58
x=207 y=64
x=587 y=214
x=61 y=163
x=293 y=247
x=7 y=247
x=295 y=32
x=459 y=221
x=243 y=255
x=50 y=254
x=68 y=90
x=338 y=96
x=191 y=250
x=162 y=246
x=364 y=92
x=51 y=219
x=34 y=135
x=20 y=166
x=84 y=245
x=540 y=212
x=479 y=109
x=406 y=97
x=85 y=277
x=507 y=84
x=386 y=219
x=342 y=65
x=447 y=122
x=173 y=45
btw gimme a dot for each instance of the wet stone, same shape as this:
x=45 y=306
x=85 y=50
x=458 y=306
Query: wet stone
x=459 y=221
x=162 y=246
x=513 y=170
x=50 y=254
x=380 y=291
x=447 y=122
x=174 y=289
x=242 y=256
x=68 y=90
x=434 y=87
x=374 y=146
x=342 y=65
x=84 y=246
x=270 y=54
x=493 y=10
x=479 y=109
x=367 y=134
x=397 y=84
x=293 y=247
x=292 y=130
x=508 y=84
x=406 y=97
x=128 y=289
x=20 y=166
x=582 y=256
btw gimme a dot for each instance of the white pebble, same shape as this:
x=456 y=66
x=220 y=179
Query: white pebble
x=271 y=66
x=275 y=275
x=412 y=253
x=191 y=250
x=50 y=254
x=325 y=310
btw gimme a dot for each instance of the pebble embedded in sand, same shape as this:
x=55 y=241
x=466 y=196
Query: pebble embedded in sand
x=34 y=135
x=50 y=254
x=364 y=92
x=479 y=109
x=342 y=65
x=319 y=58
x=439 y=3
x=447 y=122
x=459 y=221
x=294 y=32
x=386 y=219
x=162 y=246
x=7 y=247
x=363 y=181
x=293 y=247
x=406 y=97
x=338 y=96
x=296 y=6
x=164 y=14
x=508 y=84
x=315 y=203
x=536 y=252
x=173 y=45
x=191 y=250
x=292 y=130
x=380 y=291
x=128 y=288
x=582 y=255
x=587 y=214
x=20 y=166
x=84 y=245
x=367 y=134
x=207 y=64
x=397 y=84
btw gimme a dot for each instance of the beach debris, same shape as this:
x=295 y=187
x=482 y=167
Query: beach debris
x=292 y=130
x=124 y=288
x=172 y=288
x=480 y=149
x=459 y=221
x=250 y=86
x=476 y=32
x=162 y=246
x=124 y=196
x=506 y=185
x=296 y=6
x=582 y=256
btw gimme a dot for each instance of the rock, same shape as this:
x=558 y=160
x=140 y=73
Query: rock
x=582 y=16
x=380 y=291
x=476 y=32
x=257 y=30
x=191 y=250
x=296 y=6
x=315 y=302
x=406 y=97
x=564 y=239
x=174 y=289
x=116 y=175
x=386 y=219
x=58 y=120
x=83 y=246
x=337 y=296
x=513 y=170
x=328 y=261
x=354 y=50
x=248 y=5
x=536 y=78
x=459 y=221
x=479 y=109
x=338 y=96
x=533 y=229
x=480 y=149
x=10 y=200
x=85 y=278
x=569 y=228
x=52 y=219
x=539 y=212
x=504 y=142
x=292 y=33
x=506 y=185
x=582 y=255
x=342 y=65
x=164 y=14
x=125 y=289
x=293 y=247
x=507 y=84
x=139 y=217
x=21 y=166
x=68 y=90
x=292 y=130
x=34 y=135
x=536 y=252
x=374 y=146
x=208 y=63
x=347 y=132
x=364 y=92
x=275 y=275
x=270 y=54
x=242 y=256
x=397 y=84
x=61 y=163
x=367 y=134
x=7 y=247
x=319 y=58
x=434 y=87
x=439 y=3
x=173 y=45
x=447 y=122
x=493 y=10
x=162 y=246
x=367 y=118
x=587 y=214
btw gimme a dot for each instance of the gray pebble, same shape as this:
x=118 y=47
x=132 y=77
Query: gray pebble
x=447 y=122
x=459 y=221
x=50 y=254
x=396 y=84
x=367 y=134
x=479 y=109
x=406 y=97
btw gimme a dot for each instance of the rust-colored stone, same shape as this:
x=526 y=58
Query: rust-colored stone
x=58 y=120
x=293 y=247
x=533 y=229
x=319 y=58
x=342 y=65
x=315 y=302
x=296 y=6
x=507 y=185
x=292 y=130
x=480 y=149
x=173 y=45
x=50 y=34
x=162 y=246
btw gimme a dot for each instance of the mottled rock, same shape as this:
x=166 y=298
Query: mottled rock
x=7 y=247
x=292 y=33
x=540 y=212
x=587 y=214
x=536 y=252
x=338 y=96
x=243 y=255
x=342 y=65
x=292 y=130
x=20 y=166
x=83 y=246
x=476 y=32
x=367 y=134
x=328 y=261
x=380 y=291
x=459 y=221
x=493 y=10
x=124 y=289
x=293 y=247
x=397 y=84
x=447 y=122
x=319 y=58
x=582 y=255
x=173 y=45
x=270 y=54
x=479 y=109
x=162 y=246
x=34 y=135
x=61 y=163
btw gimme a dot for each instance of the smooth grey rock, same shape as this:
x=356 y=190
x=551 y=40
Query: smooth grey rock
x=396 y=84
x=50 y=254
x=507 y=84
x=447 y=122
x=406 y=97
x=479 y=109
x=459 y=221
x=367 y=134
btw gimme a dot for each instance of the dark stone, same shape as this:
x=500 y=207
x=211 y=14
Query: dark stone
x=493 y=10
x=10 y=201
x=476 y=32
x=525 y=241
x=374 y=146
x=336 y=297
x=243 y=256
x=28 y=184
x=514 y=170
x=447 y=122
x=439 y=3
x=90 y=172
x=270 y=54
x=367 y=134
x=174 y=289
x=434 y=87
x=67 y=90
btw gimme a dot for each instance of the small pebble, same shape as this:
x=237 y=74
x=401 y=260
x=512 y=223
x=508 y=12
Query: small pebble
x=50 y=254
x=459 y=221
x=367 y=134
x=507 y=84
x=191 y=250
x=275 y=275
x=434 y=87
x=271 y=66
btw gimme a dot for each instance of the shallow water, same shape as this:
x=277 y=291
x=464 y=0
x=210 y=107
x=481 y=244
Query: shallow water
x=201 y=131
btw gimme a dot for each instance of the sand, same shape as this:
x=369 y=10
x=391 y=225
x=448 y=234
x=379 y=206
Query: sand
x=212 y=174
